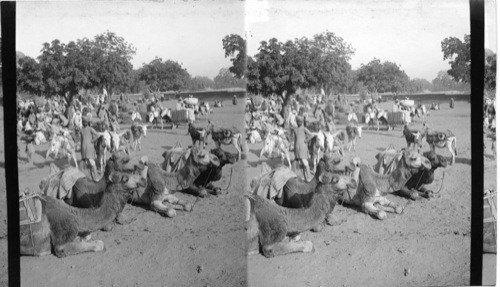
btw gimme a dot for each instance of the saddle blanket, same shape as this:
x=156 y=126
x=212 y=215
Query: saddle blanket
x=59 y=183
x=270 y=185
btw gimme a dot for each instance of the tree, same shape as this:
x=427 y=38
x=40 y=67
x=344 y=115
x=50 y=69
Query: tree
x=29 y=76
x=111 y=57
x=164 y=76
x=419 y=85
x=382 y=77
x=226 y=79
x=317 y=63
x=199 y=83
x=235 y=46
x=458 y=53
x=445 y=82
x=490 y=72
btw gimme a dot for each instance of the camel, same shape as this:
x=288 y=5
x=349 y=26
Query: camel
x=271 y=225
x=88 y=193
x=441 y=140
x=414 y=187
x=413 y=138
x=297 y=193
x=373 y=187
x=226 y=137
x=65 y=229
x=161 y=184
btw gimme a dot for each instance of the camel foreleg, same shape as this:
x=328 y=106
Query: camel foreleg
x=78 y=246
x=369 y=208
x=158 y=206
x=178 y=203
x=389 y=205
x=286 y=247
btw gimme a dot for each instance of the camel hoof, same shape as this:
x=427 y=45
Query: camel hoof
x=171 y=213
x=308 y=246
x=188 y=207
x=108 y=227
x=381 y=215
x=99 y=246
x=318 y=228
x=217 y=191
x=203 y=193
x=414 y=196
x=331 y=220
x=398 y=209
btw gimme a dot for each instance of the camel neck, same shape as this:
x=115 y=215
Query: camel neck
x=112 y=203
x=303 y=219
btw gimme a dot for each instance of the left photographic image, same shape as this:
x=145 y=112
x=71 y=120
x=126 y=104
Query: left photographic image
x=130 y=147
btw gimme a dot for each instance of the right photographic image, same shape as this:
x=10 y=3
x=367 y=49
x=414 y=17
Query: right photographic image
x=358 y=160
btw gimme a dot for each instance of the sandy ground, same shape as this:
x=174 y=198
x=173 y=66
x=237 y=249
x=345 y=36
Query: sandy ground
x=203 y=248
x=427 y=245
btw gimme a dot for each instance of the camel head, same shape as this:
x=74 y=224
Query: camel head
x=412 y=159
x=224 y=156
x=123 y=164
x=203 y=157
x=125 y=181
x=335 y=163
x=436 y=159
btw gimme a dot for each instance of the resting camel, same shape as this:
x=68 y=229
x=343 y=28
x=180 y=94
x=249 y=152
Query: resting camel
x=414 y=187
x=88 y=193
x=373 y=187
x=271 y=225
x=226 y=137
x=65 y=229
x=161 y=185
x=441 y=140
x=297 y=193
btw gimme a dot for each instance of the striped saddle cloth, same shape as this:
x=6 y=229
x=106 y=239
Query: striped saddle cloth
x=30 y=208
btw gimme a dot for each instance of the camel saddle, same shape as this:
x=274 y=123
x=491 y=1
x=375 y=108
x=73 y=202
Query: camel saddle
x=226 y=134
x=30 y=208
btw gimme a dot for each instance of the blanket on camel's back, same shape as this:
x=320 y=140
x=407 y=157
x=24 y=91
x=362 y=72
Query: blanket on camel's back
x=175 y=159
x=223 y=134
x=387 y=161
x=59 y=183
x=270 y=184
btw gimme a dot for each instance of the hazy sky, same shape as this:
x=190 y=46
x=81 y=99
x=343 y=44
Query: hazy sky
x=408 y=33
x=190 y=32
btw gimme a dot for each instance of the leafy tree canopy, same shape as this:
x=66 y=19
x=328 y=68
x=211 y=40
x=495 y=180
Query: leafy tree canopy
x=458 y=53
x=164 y=76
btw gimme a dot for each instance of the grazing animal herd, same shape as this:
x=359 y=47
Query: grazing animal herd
x=283 y=205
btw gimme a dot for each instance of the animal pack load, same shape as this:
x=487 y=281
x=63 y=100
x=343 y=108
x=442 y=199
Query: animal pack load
x=30 y=208
x=407 y=103
x=191 y=101
x=183 y=116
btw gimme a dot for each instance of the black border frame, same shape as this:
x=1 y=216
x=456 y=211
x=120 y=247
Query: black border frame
x=8 y=10
x=8 y=29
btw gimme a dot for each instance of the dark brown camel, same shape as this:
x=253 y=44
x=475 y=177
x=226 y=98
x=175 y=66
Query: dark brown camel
x=63 y=228
x=271 y=225
x=297 y=193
